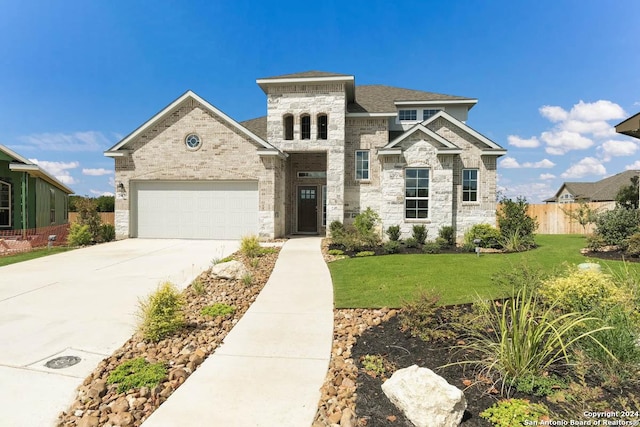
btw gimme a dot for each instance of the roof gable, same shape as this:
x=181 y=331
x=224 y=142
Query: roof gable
x=425 y=130
x=600 y=191
x=113 y=151
x=22 y=164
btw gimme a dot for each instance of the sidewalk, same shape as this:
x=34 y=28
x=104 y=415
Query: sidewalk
x=269 y=370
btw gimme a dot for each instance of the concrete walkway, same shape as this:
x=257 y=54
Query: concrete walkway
x=271 y=366
x=79 y=303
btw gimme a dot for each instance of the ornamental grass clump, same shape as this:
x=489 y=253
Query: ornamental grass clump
x=162 y=313
x=522 y=336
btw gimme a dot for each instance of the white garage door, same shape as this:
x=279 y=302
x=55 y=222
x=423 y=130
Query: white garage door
x=196 y=210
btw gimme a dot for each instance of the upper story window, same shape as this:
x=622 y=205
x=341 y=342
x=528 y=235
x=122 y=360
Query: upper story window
x=428 y=113
x=416 y=193
x=5 y=204
x=322 y=126
x=567 y=198
x=408 y=115
x=305 y=127
x=288 y=127
x=362 y=164
x=470 y=185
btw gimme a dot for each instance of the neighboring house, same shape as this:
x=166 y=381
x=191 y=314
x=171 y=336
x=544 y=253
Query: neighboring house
x=29 y=196
x=326 y=150
x=630 y=127
x=604 y=190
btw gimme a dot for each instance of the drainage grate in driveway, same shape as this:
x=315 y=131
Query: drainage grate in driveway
x=62 y=362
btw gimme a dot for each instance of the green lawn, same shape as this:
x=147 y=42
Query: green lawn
x=392 y=279
x=36 y=253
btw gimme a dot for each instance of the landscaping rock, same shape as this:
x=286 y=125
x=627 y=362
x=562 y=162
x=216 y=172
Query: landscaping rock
x=425 y=398
x=231 y=270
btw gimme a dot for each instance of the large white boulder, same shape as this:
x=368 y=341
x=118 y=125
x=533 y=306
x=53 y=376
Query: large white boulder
x=425 y=398
x=230 y=270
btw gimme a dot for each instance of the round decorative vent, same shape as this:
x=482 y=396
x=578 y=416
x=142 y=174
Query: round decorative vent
x=62 y=362
x=192 y=141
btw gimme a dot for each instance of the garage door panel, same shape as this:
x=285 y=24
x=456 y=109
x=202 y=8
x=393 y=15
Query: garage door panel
x=197 y=210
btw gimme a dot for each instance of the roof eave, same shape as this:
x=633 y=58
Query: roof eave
x=38 y=172
x=471 y=102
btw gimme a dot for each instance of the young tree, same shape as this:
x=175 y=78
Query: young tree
x=513 y=219
x=627 y=196
x=584 y=215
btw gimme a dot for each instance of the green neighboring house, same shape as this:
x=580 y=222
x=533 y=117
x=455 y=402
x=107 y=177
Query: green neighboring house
x=29 y=196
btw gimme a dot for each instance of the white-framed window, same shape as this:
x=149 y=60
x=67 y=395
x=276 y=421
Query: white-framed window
x=408 y=115
x=305 y=127
x=193 y=141
x=5 y=204
x=428 y=113
x=416 y=193
x=324 y=205
x=362 y=164
x=567 y=198
x=470 y=185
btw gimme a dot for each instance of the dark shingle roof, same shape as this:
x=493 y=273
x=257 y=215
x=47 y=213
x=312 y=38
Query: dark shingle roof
x=306 y=74
x=257 y=126
x=381 y=98
x=604 y=190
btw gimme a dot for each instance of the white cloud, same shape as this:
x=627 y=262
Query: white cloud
x=553 y=113
x=535 y=192
x=58 y=169
x=613 y=148
x=596 y=111
x=101 y=193
x=633 y=166
x=600 y=128
x=97 y=172
x=76 y=141
x=586 y=166
x=516 y=141
x=112 y=181
x=547 y=176
x=511 y=163
x=559 y=142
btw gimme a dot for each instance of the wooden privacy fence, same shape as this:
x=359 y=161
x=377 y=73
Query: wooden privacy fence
x=106 y=217
x=552 y=218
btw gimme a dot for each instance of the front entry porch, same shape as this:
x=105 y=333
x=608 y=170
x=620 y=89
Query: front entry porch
x=306 y=189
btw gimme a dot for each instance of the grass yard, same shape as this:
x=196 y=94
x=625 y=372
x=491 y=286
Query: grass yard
x=36 y=253
x=390 y=280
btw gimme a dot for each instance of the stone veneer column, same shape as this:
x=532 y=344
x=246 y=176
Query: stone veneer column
x=335 y=184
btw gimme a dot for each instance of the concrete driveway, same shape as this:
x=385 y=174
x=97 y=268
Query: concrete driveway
x=80 y=303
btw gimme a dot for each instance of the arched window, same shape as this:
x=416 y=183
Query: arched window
x=322 y=126
x=305 y=127
x=5 y=204
x=288 y=127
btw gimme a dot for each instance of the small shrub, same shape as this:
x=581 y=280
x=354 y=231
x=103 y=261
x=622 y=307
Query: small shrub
x=633 y=245
x=336 y=228
x=515 y=242
x=250 y=246
x=539 y=385
x=225 y=259
x=365 y=253
x=447 y=233
x=254 y=263
x=365 y=223
x=198 y=287
x=376 y=365
x=336 y=252
x=247 y=279
x=420 y=317
x=582 y=291
x=431 y=248
x=419 y=233
x=411 y=243
x=79 y=235
x=107 y=233
x=162 y=313
x=442 y=243
x=515 y=412
x=513 y=218
x=88 y=215
x=137 y=373
x=391 y=247
x=489 y=236
x=616 y=225
x=218 y=309
x=595 y=242
x=394 y=233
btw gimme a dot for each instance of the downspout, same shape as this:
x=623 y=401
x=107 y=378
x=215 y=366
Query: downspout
x=25 y=188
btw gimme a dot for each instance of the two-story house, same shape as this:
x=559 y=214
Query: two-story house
x=326 y=150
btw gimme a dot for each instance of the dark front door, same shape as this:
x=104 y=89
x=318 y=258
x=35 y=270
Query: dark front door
x=308 y=209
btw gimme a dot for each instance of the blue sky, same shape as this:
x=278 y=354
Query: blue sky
x=551 y=77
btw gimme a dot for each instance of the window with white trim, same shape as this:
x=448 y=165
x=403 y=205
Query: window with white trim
x=429 y=113
x=408 y=115
x=305 y=127
x=416 y=193
x=362 y=164
x=470 y=185
x=5 y=204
